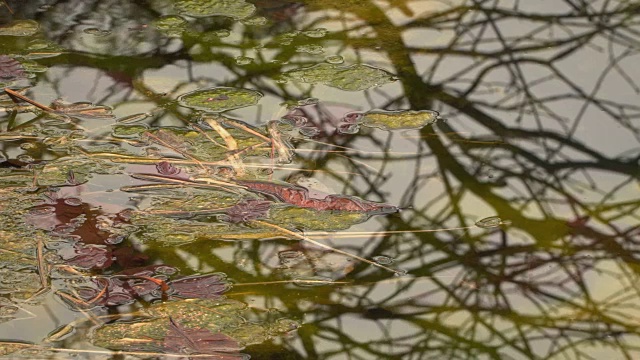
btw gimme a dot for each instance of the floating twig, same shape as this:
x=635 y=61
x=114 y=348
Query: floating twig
x=16 y=95
x=306 y=238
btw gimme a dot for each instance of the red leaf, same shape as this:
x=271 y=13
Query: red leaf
x=10 y=69
x=180 y=339
x=87 y=256
x=201 y=287
x=299 y=196
x=249 y=209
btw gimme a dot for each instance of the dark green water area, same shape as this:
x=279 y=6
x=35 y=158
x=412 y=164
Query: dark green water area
x=319 y=179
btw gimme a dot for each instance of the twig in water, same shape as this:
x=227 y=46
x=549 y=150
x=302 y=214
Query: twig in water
x=306 y=238
x=16 y=95
x=7 y=6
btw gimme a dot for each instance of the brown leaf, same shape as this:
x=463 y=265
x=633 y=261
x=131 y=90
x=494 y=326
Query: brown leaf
x=299 y=196
x=201 y=286
x=249 y=209
x=83 y=109
x=87 y=256
x=10 y=69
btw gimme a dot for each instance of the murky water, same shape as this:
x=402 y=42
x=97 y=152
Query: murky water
x=326 y=179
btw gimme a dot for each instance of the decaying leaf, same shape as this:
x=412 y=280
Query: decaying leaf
x=208 y=286
x=248 y=209
x=83 y=109
x=87 y=256
x=299 y=196
x=10 y=69
x=183 y=340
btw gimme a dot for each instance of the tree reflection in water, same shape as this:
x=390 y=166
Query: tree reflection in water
x=540 y=129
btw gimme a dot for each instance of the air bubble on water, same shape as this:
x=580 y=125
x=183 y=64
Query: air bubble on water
x=313 y=49
x=243 y=60
x=73 y=201
x=316 y=33
x=43 y=211
x=334 y=59
x=290 y=258
x=96 y=32
x=383 y=260
x=401 y=273
x=490 y=222
x=312 y=281
x=256 y=21
x=25 y=158
x=222 y=33
x=27 y=146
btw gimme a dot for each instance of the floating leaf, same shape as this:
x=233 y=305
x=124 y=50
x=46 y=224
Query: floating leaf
x=87 y=256
x=299 y=196
x=219 y=99
x=208 y=286
x=83 y=109
x=154 y=228
x=249 y=209
x=20 y=28
x=166 y=168
x=56 y=172
x=237 y=9
x=489 y=222
x=10 y=69
x=180 y=339
x=398 y=119
x=350 y=78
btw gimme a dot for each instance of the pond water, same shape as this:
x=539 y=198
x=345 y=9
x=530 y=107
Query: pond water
x=319 y=179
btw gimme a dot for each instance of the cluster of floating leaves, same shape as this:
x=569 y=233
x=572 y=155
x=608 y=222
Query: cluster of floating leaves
x=298 y=120
x=218 y=316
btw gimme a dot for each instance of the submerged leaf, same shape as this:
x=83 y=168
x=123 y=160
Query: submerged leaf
x=356 y=77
